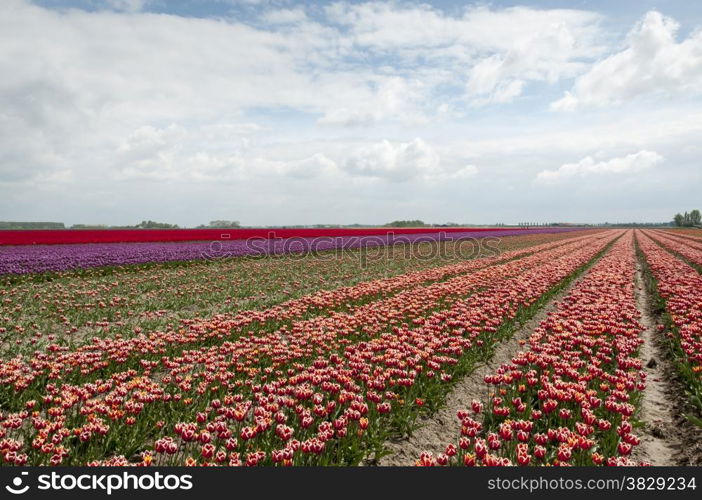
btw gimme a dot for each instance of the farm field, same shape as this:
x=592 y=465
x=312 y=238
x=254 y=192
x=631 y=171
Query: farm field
x=544 y=347
x=65 y=250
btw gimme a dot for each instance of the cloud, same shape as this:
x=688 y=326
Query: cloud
x=452 y=176
x=588 y=166
x=386 y=98
x=465 y=172
x=285 y=16
x=388 y=25
x=500 y=50
x=145 y=140
x=212 y=153
x=128 y=5
x=399 y=162
x=308 y=168
x=395 y=162
x=652 y=63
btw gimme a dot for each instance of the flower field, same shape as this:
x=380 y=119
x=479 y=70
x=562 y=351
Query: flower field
x=78 y=236
x=65 y=250
x=688 y=248
x=324 y=358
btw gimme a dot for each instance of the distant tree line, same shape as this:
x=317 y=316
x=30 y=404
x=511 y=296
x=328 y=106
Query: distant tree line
x=31 y=225
x=96 y=226
x=220 y=224
x=688 y=219
x=145 y=224
x=406 y=223
x=150 y=224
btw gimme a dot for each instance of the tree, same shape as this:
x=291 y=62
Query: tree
x=150 y=224
x=688 y=219
x=31 y=225
x=406 y=223
x=220 y=224
x=232 y=224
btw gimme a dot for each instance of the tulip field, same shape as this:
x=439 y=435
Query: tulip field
x=146 y=354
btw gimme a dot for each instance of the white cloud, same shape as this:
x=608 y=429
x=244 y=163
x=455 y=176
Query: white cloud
x=465 y=172
x=128 y=5
x=384 y=26
x=215 y=153
x=588 y=166
x=390 y=98
x=452 y=176
x=652 y=63
x=499 y=50
x=285 y=16
x=147 y=139
x=395 y=162
x=308 y=168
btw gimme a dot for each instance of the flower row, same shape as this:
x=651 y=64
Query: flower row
x=570 y=397
x=686 y=247
x=680 y=287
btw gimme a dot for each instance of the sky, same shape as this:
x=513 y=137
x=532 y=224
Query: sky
x=280 y=112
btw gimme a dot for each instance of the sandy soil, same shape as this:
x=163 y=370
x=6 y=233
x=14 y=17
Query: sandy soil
x=660 y=442
x=443 y=427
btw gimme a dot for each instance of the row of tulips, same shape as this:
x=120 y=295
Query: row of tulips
x=691 y=234
x=679 y=289
x=570 y=398
x=407 y=298
x=318 y=392
x=685 y=247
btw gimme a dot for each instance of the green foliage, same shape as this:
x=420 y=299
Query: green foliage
x=31 y=225
x=688 y=219
x=221 y=224
x=406 y=223
x=150 y=224
x=89 y=226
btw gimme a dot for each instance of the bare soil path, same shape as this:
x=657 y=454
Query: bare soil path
x=660 y=441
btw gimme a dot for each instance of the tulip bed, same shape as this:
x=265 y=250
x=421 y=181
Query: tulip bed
x=693 y=234
x=571 y=397
x=678 y=288
x=78 y=236
x=73 y=307
x=687 y=248
x=323 y=379
x=23 y=259
x=403 y=297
